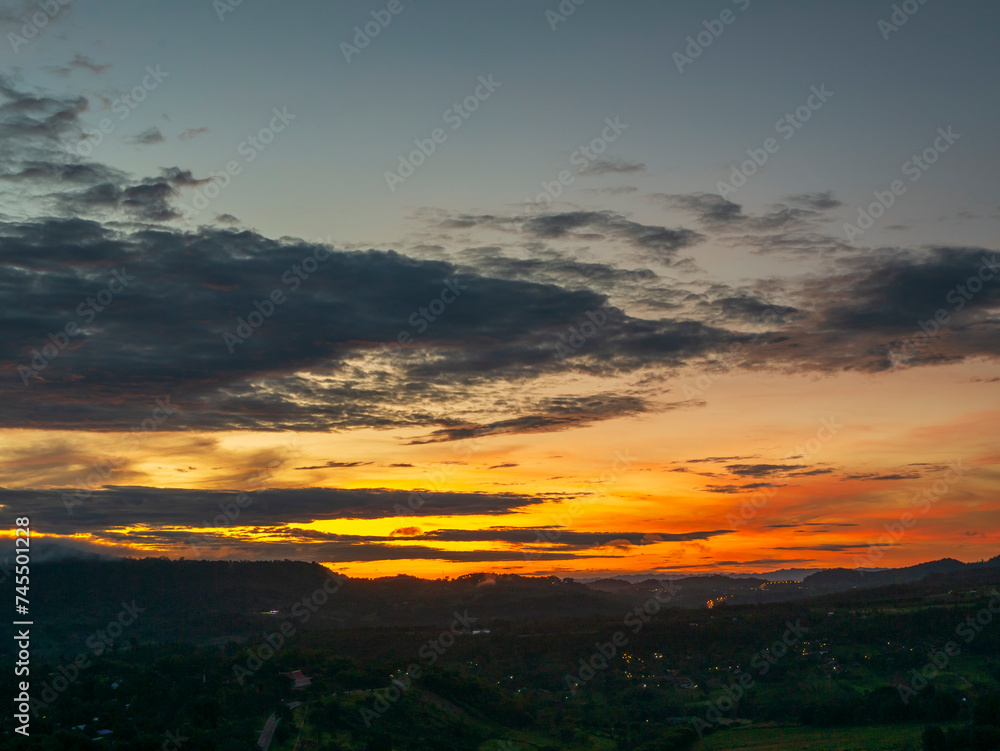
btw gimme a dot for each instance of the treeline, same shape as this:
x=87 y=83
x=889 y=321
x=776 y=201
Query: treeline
x=981 y=733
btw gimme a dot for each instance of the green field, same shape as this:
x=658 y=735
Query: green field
x=780 y=738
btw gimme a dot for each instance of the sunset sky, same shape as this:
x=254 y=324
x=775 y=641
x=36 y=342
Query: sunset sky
x=500 y=287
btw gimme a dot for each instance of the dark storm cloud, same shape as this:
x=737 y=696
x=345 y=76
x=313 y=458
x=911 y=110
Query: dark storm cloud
x=147 y=137
x=824 y=201
x=81 y=62
x=600 y=167
x=707 y=207
x=293 y=545
x=346 y=553
x=898 y=289
x=827 y=548
x=149 y=200
x=796 y=225
x=561 y=414
x=811 y=524
x=164 y=333
x=53 y=180
x=42 y=172
x=895 y=476
x=29 y=121
x=165 y=507
x=749 y=309
x=653 y=241
x=147 y=516
x=319 y=362
x=661 y=242
x=555 y=267
x=784 y=562
x=719 y=213
x=862 y=318
x=804 y=243
x=735 y=489
x=719 y=459
x=760 y=470
x=337 y=465
x=14 y=12
x=566 y=538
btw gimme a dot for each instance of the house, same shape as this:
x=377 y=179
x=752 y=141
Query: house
x=299 y=680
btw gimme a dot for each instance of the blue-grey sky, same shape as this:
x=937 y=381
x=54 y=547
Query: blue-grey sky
x=325 y=175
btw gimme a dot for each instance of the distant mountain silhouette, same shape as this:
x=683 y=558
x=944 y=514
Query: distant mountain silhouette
x=218 y=600
x=842 y=578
